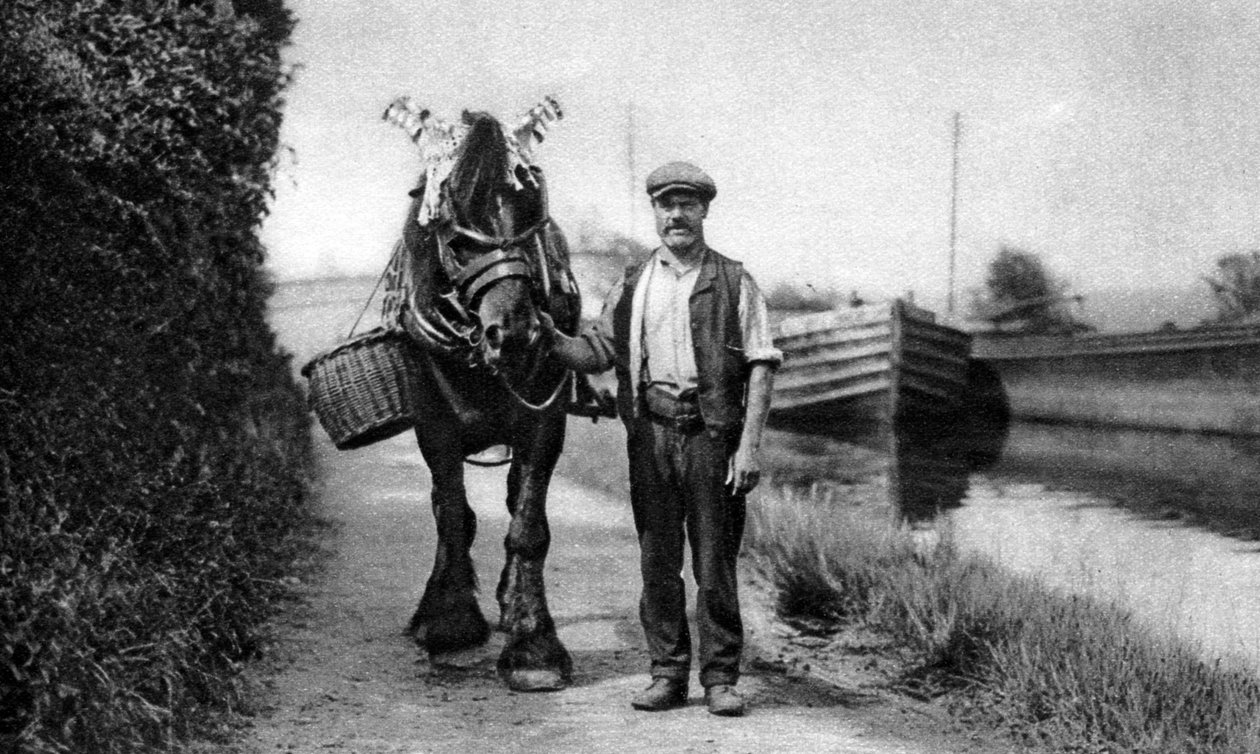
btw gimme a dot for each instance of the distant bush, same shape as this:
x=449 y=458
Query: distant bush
x=1236 y=286
x=804 y=298
x=1021 y=293
x=604 y=243
x=152 y=443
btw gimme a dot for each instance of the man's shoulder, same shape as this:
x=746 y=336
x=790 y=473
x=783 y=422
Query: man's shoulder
x=724 y=267
x=736 y=272
x=721 y=258
x=635 y=267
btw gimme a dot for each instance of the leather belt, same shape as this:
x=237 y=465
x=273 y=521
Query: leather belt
x=680 y=412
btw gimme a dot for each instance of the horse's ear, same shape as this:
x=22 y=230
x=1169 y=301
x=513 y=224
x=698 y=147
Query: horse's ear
x=419 y=190
x=532 y=128
x=404 y=113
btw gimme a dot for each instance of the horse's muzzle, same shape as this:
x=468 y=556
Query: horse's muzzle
x=501 y=347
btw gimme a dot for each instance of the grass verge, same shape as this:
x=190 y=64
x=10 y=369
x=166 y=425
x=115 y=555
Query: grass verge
x=1059 y=672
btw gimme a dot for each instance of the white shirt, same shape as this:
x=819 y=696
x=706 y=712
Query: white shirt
x=669 y=356
x=660 y=323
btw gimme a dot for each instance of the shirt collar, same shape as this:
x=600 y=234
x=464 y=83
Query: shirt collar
x=666 y=258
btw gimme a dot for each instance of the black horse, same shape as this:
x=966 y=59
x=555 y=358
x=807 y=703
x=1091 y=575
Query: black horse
x=468 y=284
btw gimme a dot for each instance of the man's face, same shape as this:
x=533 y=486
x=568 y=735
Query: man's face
x=680 y=219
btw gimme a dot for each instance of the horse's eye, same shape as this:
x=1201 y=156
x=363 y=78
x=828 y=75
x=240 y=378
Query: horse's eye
x=462 y=247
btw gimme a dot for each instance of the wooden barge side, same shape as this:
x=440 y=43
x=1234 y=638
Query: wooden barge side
x=1198 y=380
x=857 y=374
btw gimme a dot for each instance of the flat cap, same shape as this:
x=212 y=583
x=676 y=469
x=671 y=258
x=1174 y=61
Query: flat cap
x=680 y=175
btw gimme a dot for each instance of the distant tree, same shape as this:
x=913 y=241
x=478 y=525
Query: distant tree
x=1016 y=275
x=1236 y=286
x=1020 y=291
x=614 y=245
x=806 y=298
x=592 y=236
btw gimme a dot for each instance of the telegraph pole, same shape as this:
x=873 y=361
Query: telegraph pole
x=953 y=212
x=632 y=193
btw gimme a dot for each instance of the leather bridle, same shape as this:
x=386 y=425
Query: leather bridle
x=505 y=259
x=502 y=262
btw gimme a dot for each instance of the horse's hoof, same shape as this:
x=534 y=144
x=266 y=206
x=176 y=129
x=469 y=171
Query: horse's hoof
x=458 y=628
x=537 y=662
x=535 y=680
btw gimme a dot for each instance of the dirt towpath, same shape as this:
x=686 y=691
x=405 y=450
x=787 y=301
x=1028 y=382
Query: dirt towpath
x=343 y=678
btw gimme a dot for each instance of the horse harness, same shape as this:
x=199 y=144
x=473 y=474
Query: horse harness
x=501 y=263
x=505 y=259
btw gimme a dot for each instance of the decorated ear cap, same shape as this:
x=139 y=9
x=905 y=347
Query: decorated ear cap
x=438 y=141
x=674 y=176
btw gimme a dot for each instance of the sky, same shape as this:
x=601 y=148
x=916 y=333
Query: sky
x=1116 y=139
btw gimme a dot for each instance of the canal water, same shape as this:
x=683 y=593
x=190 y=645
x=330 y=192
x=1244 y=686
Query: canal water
x=1164 y=524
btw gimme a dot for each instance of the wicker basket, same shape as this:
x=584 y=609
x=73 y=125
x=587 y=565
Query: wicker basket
x=367 y=389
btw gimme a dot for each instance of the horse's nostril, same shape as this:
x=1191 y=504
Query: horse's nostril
x=494 y=337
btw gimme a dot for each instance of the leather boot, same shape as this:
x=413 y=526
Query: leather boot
x=663 y=694
x=724 y=700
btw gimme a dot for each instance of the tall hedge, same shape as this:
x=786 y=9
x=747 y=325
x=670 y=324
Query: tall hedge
x=152 y=442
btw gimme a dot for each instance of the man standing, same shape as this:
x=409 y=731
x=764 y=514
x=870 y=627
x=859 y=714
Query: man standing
x=687 y=333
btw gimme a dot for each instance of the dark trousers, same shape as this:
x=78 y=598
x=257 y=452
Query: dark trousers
x=678 y=493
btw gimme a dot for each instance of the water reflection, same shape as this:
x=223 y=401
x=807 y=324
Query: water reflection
x=1208 y=479
x=923 y=470
x=1129 y=517
x=928 y=474
x=923 y=460
x=931 y=461
x=1205 y=479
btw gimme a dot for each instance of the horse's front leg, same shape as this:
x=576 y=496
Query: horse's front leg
x=533 y=658
x=448 y=617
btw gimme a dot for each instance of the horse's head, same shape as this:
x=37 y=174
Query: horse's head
x=497 y=212
x=480 y=229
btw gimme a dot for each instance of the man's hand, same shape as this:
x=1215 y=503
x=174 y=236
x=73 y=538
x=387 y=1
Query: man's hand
x=574 y=353
x=745 y=470
x=546 y=328
x=745 y=465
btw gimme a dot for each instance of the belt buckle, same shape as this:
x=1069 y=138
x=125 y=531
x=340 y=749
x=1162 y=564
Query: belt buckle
x=686 y=422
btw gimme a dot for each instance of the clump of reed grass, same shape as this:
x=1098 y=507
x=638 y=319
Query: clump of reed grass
x=1056 y=670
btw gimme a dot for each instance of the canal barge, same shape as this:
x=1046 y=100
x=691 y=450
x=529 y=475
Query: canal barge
x=864 y=373
x=1204 y=379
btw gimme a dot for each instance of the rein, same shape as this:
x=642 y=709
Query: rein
x=539 y=407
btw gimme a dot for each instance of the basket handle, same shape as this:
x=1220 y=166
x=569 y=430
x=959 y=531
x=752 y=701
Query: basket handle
x=375 y=288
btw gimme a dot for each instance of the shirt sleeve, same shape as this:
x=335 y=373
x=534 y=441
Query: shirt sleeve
x=599 y=333
x=754 y=321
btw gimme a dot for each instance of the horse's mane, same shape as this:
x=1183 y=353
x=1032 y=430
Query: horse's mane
x=480 y=169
